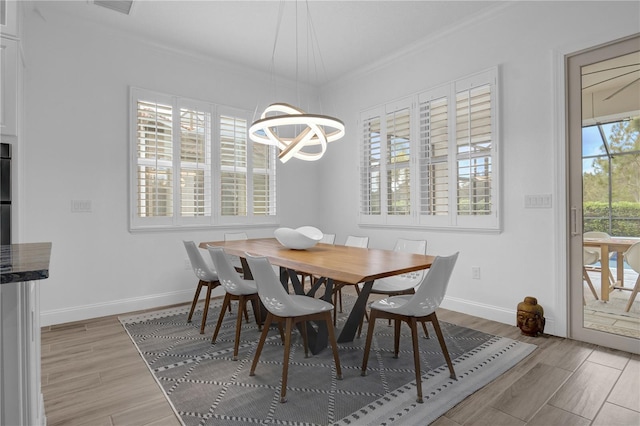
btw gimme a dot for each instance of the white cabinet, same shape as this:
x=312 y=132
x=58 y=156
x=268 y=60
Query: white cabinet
x=8 y=86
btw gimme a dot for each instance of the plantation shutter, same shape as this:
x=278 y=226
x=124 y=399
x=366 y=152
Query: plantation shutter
x=434 y=158
x=398 y=149
x=264 y=185
x=370 y=182
x=233 y=166
x=474 y=150
x=195 y=162
x=154 y=159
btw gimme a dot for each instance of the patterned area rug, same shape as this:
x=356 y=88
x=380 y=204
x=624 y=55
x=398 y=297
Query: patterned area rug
x=206 y=387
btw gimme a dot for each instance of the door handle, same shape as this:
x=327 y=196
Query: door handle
x=574 y=222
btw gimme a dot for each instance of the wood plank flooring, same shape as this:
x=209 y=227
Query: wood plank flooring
x=93 y=375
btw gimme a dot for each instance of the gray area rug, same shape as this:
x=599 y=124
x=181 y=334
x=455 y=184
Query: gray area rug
x=206 y=387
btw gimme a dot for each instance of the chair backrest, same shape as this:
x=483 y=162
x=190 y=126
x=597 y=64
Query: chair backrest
x=410 y=246
x=235 y=236
x=328 y=238
x=632 y=256
x=433 y=287
x=201 y=268
x=227 y=274
x=353 y=241
x=589 y=257
x=271 y=292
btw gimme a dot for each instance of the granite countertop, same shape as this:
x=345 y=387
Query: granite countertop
x=24 y=262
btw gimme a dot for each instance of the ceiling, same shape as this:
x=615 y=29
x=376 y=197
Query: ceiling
x=350 y=34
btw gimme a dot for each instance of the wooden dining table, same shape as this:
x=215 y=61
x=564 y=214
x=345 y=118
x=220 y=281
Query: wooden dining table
x=607 y=245
x=351 y=265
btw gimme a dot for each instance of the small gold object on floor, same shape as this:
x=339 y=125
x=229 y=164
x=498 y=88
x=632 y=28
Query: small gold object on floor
x=530 y=317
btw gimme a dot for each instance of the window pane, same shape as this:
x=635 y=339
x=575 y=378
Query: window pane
x=473 y=142
x=233 y=164
x=370 y=178
x=398 y=165
x=155 y=192
x=154 y=158
x=264 y=192
x=195 y=166
x=434 y=150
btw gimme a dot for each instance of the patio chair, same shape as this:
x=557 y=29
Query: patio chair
x=632 y=257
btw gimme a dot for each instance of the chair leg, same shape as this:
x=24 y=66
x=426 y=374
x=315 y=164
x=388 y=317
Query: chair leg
x=443 y=345
x=305 y=341
x=585 y=276
x=396 y=338
x=634 y=293
x=367 y=346
x=416 y=356
x=242 y=306
x=424 y=328
x=226 y=302
x=263 y=337
x=255 y=303
x=285 y=359
x=334 y=346
x=195 y=300
x=206 y=308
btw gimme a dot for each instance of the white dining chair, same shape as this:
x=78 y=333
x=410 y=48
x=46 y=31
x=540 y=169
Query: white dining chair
x=632 y=257
x=403 y=283
x=236 y=288
x=326 y=239
x=283 y=307
x=207 y=277
x=419 y=307
x=590 y=266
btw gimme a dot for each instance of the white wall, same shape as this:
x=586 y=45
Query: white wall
x=75 y=147
x=523 y=40
x=77 y=79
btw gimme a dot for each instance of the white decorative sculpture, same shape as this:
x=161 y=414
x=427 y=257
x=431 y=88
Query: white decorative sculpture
x=298 y=239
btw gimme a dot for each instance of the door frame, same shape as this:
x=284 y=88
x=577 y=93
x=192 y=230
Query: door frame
x=573 y=208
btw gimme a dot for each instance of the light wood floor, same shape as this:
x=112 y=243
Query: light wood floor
x=93 y=375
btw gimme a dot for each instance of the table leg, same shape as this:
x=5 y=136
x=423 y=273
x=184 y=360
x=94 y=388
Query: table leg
x=620 y=268
x=350 y=328
x=604 y=272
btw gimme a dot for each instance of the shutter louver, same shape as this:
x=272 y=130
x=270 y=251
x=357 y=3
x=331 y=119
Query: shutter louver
x=154 y=158
x=263 y=186
x=434 y=168
x=370 y=168
x=233 y=166
x=195 y=163
x=398 y=162
x=474 y=150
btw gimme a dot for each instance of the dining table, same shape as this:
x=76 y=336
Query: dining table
x=606 y=246
x=350 y=265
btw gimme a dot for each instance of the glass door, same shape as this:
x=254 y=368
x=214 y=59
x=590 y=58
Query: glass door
x=604 y=192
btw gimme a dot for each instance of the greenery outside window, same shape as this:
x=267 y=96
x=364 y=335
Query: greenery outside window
x=432 y=157
x=611 y=177
x=193 y=165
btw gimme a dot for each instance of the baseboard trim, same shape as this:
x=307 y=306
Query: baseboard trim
x=115 y=307
x=490 y=312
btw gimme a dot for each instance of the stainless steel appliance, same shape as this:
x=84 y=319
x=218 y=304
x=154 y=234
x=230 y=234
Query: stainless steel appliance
x=5 y=194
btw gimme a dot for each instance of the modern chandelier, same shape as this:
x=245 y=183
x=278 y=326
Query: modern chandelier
x=290 y=128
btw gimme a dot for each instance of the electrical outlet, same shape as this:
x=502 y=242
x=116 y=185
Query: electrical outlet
x=475 y=272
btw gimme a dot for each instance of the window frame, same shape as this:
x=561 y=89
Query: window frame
x=214 y=218
x=453 y=220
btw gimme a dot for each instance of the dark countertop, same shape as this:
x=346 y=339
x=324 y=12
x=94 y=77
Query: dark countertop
x=24 y=262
